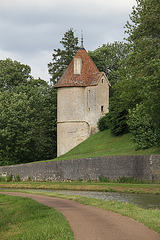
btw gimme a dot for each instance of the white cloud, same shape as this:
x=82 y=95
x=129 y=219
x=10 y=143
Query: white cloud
x=39 y=63
x=31 y=29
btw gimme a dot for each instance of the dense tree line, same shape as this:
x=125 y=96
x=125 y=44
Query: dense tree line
x=135 y=103
x=27 y=115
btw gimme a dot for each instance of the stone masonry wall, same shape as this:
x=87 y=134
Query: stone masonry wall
x=138 y=166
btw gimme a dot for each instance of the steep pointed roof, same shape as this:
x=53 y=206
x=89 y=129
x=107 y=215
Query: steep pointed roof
x=89 y=76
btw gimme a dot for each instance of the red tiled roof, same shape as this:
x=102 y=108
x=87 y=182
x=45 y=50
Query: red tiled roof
x=89 y=76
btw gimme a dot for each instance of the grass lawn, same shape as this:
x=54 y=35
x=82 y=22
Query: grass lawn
x=25 y=219
x=105 y=144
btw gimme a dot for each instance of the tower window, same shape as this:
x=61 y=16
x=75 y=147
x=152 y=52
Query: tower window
x=77 y=65
x=102 y=80
x=102 y=109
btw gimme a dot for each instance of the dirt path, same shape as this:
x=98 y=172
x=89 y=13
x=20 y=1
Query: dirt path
x=91 y=223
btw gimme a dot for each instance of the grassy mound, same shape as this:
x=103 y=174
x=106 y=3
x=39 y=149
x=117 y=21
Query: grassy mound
x=105 y=144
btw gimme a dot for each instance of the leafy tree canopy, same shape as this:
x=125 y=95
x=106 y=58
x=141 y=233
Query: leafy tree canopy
x=144 y=62
x=28 y=123
x=27 y=115
x=13 y=73
x=108 y=58
x=144 y=134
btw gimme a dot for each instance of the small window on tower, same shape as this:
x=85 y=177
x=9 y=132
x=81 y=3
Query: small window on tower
x=77 y=65
x=102 y=80
x=102 y=109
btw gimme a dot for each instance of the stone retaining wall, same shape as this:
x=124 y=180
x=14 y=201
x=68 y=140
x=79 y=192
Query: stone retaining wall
x=138 y=166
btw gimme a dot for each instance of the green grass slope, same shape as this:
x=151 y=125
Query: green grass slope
x=105 y=144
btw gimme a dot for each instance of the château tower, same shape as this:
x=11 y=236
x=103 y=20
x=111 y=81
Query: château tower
x=83 y=97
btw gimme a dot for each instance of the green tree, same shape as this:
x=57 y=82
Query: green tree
x=28 y=123
x=13 y=73
x=61 y=58
x=144 y=62
x=108 y=58
x=125 y=96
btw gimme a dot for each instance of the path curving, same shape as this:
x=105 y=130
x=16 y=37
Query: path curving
x=92 y=223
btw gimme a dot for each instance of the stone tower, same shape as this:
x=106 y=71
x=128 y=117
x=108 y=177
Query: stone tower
x=83 y=97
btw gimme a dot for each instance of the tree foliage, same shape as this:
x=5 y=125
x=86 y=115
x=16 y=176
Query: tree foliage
x=61 y=58
x=137 y=87
x=112 y=60
x=108 y=58
x=144 y=63
x=144 y=134
x=27 y=119
x=125 y=96
x=102 y=124
x=12 y=74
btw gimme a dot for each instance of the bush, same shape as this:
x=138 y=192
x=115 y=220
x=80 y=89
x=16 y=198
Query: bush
x=115 y=120
x=126 y=180
x=103 y=179
x=9 y=178
x=102 y=123
x=132 y=180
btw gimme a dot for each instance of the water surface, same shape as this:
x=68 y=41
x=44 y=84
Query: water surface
x=142 y=200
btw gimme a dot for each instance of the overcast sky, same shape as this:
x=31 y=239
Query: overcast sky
x=31 y=29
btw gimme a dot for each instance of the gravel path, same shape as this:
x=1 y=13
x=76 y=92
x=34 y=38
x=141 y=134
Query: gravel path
x=91 y=223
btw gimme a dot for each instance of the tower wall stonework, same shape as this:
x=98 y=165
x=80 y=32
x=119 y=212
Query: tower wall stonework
x=71 y=126
x=78 y=111
x=70 y=134
x=97 y=97
x=71 y=104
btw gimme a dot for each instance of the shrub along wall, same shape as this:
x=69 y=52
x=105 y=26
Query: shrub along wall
x=138 y=166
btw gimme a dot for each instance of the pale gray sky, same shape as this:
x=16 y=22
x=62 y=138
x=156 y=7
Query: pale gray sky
x=31 y=29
